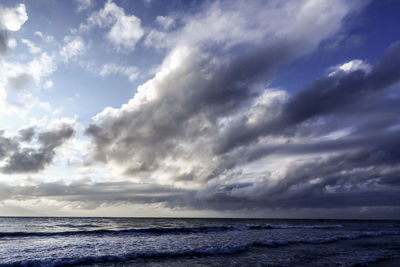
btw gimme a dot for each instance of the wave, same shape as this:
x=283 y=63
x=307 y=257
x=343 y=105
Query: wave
x=88 y=260
x=272 y=226
x=204 y=251
x=315 y=241
x=167 y=230
x=77 y=225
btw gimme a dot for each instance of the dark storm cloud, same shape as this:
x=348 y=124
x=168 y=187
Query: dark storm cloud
x=322 y=97
x=20 y=159
x=365 y=174
x=331 y=93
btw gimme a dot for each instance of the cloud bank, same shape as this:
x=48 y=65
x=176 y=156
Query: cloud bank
x=208 y=123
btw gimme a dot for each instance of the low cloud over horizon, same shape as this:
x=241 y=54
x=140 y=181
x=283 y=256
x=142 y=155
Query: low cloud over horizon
x=211 y=108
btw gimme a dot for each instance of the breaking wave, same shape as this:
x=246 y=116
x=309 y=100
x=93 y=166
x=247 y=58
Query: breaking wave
x=167 y=230
x=205 y=251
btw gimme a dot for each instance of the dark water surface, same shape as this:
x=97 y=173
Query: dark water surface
x=195 y=242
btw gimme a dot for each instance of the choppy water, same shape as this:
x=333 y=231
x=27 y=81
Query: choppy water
x=195 y=242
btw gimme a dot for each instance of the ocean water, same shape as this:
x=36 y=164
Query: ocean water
x=195 y=242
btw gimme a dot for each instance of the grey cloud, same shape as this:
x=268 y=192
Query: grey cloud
x=342 y=181
x=333 y=191
x=330 y=93
x=94 y=194
x=27 y=134
x=20 y=159
x=367 y=177
x=6 y=145
x=51 y=139
x=4 y=38
x=204 y=121
x=322 y=97
x=356 y=170
x=27 y=160
x=189 y=107
x=22 y=81
x=203 y=84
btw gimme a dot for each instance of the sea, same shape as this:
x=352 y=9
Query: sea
x=46 y=241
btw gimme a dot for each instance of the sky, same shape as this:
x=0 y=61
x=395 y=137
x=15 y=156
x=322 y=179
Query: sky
x=152 y=108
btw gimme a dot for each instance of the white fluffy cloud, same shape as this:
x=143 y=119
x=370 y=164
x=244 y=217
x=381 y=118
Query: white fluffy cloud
x=74 y=47
x=18 y=79
x=13 y=18
x=48 y=84
x=124 y=30
x=353 y=65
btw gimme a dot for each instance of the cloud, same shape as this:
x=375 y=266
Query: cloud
x=11 y=19
x=48 y=84
x=351 y=66
x=91 y=194
x=256 y=23
x=83 y=5
x=74 y=47
x=131 y=72
x=18 y=158
x=330 y=93
x=125 y=30
x=41 y=66
x=209 y=125
x=33 y=49
x=165 y=22
x=46 y=38
x=170 y=130
x=20 y=78
x=4 y=39
x=20 y=82
x=320 y=98
x=27 y=134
